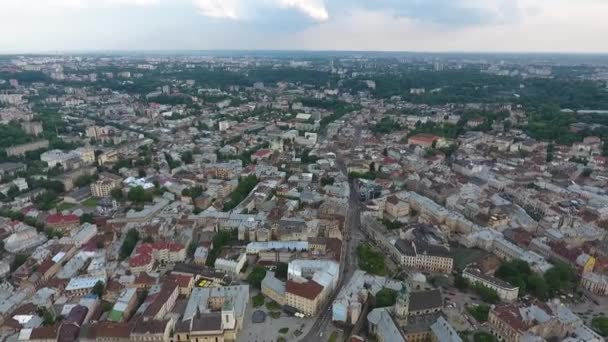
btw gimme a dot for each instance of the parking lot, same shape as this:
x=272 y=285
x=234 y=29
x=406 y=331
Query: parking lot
x=269 y=330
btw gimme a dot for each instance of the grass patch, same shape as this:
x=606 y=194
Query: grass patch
x=257 y=300
x=275 y=314
x=283 y=330
x=90 y=203
x=334 y=337
x=65 y=206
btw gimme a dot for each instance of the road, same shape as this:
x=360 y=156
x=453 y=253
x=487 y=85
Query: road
x=350 y=239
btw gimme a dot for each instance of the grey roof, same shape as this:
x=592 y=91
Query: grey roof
x=386 y=327
x=273 y=283
x=444 y=331
x=425 y=300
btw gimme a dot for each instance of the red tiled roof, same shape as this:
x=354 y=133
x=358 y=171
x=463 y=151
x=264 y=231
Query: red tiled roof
x=59 y=218
x=140 y=260
x=423 y=137
x=309 y=290
x=262 y=153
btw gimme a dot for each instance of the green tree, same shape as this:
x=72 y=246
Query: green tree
x=19 y=260
x=187 y=157
x=117 y=194
x=191 y=249
x=370 y=260
x=482 y=336
x=480 y=312
x=129 y=243
x=87 y=217
x=98 y=289
x=256 y=276
x=600 y=324
x=139 y=195
x=386 y=297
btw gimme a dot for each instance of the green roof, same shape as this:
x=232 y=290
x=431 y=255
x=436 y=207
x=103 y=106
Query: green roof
x=115 y=316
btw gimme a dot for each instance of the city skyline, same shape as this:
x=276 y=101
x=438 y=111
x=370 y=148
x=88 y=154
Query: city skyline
x=304 y=25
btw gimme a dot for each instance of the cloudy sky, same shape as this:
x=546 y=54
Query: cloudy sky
x=392 y=25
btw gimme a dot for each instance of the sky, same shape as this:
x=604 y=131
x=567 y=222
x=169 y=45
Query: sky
x=357 y=25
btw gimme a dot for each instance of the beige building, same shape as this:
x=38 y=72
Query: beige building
x=20 y=150
x=273 y=288
x=505 y=291
x=422 y=256
x=104 y=186
x=306 y=296
x=396 y=208
x=596 y=283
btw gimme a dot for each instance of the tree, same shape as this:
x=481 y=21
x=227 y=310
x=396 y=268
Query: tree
x=461 y=282
x=88 y=218
x=47 y=316
x=84 y=180
x=187 y=157
x=480 y=312
x=482 y=336
x=256 y=276
x=281 y=270
x=600 y=324
x=117 y=194
x=98 y=289
x=191 y=249
x=370 y=260
x=19 y=260
x=139 y=195
x=386 y=297
x=129 y=243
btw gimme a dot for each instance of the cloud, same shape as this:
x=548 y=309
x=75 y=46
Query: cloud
x=445 y=13
x=257 y=10
x=228 y=9
x=312 y=8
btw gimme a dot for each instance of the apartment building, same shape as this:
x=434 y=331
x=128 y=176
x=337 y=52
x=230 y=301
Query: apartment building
x=505 y=291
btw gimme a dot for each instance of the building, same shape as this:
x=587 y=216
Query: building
x=231 y=261
x=505 y=291
x=79 y=286
x=273 y=288
x=149 y=330
x=124 y=305
x=383 y=326
x=160 y=300
x=21 y=150
x=396 y=208
x=419 y=254
x=62 y=222
x=213 y=314
x=538 y=321
x=424 y=140
x=595 y=282
x=146 y=254
x=305 y=296
x=11 y=169
x=443 y=331
x=103 y=187
x=32 y=127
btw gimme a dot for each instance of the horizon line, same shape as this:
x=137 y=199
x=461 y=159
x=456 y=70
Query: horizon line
x=178 y=51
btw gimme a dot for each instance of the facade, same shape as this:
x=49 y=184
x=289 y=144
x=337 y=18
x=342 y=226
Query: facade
x=304 y=296
x=20 y=150
x=596 y=283
x=104 y=186
x=273 y=288
x=419 y=255
x=506 y=291
x=147 y=254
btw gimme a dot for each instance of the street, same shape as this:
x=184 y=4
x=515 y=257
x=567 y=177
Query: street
x=350 y=238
